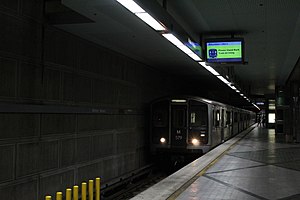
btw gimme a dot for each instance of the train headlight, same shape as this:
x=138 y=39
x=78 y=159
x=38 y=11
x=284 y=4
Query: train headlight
x=195 y=142
x=162 y=140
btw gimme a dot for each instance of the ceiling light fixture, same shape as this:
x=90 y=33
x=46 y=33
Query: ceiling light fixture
x=174 y=40
x=209 y=68
x=142 y=14
x=223 y=79
x=131 y=6
x=148 y=19
x=232 y=87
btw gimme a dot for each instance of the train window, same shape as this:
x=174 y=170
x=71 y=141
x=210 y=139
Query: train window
x=222 y=117
x=228 y=117
x=178 y=118
x=193 y=118
x=217 y=118
x=160 y=121
x=235 y=117
x=160 y=118
x=198 y=114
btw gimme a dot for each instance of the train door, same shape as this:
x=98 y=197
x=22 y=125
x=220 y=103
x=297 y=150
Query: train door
x=235 y=123
x=178 y=125
x=239 y=123
x=230 y=116
x=244 y=121
x=223 y=137
x=217 y=123
x=228 y=124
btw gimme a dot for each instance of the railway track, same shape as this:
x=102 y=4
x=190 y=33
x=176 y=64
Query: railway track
x=133 y=185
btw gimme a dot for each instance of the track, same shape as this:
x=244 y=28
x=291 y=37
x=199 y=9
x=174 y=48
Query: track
x=131 y=186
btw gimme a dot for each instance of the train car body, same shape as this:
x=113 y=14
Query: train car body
x=194 y=125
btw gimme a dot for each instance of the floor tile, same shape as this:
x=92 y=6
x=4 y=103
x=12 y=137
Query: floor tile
x=270 y=182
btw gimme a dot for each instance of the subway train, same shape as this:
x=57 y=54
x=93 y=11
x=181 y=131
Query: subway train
x=187 y=125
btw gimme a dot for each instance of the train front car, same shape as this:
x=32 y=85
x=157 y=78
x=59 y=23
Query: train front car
x=180 y=126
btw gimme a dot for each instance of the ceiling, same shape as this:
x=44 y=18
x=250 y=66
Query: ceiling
x=270 y=28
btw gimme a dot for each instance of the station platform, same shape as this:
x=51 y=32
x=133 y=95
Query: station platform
x=256 y=164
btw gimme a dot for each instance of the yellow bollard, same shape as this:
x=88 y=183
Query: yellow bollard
x=75 y=192
x=83 y=191
x=97 y=188
x=58 y=195
x=47 y=197
x=91 y=189
x=68 y=193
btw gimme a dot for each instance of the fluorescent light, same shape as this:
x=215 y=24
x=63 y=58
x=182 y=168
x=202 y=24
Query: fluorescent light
x=148 y=19
x=209 y=68
x=188 y=52
x=237 y=91
x=242 y=94
x=142 y=14
x=178 y=100
x=181 y=46
x=131 y=5
x=194 y=57
x=232 y=87
x=223 y=79
x=172 y=39
x=185 y=49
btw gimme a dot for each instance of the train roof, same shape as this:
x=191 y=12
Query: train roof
x=197 y=98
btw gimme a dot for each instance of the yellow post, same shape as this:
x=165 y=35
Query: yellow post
x=47 y=197
x=83 y=191
x=91 y=189
x=58 y=195
x=68 y=194
x=97 y=188
x=75 y=192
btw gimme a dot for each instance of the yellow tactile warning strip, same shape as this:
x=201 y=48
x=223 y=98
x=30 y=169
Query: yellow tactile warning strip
x=192 y=180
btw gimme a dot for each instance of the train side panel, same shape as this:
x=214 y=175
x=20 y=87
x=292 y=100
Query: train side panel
x=194 y=125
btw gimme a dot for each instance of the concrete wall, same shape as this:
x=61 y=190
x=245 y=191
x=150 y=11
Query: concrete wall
x=41 y=152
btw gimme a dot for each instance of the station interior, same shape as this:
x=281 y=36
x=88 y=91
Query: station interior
x=77 y=78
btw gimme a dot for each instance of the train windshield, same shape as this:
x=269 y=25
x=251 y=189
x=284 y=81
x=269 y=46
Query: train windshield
x=198 y=114
x=160 y=121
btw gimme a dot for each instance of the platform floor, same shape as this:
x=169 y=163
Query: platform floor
x=260 y=166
